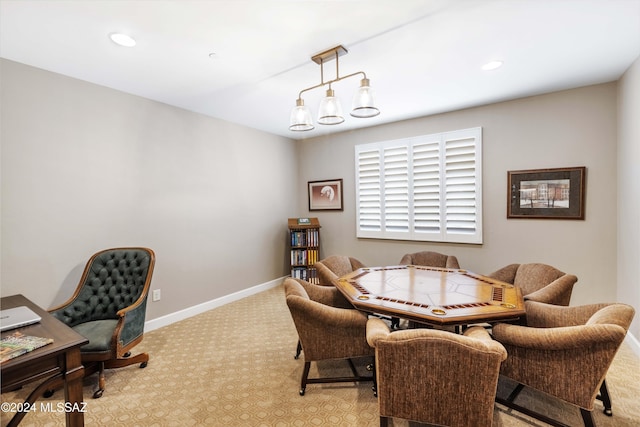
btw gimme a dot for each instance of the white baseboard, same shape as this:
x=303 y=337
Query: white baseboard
x=633 y=343
x=206 y=306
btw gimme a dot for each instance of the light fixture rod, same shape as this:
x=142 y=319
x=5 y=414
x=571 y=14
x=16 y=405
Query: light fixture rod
x=330 y=82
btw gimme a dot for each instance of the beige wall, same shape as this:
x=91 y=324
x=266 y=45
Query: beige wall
x=569 y=128
x=85 y=168
x=629 y=191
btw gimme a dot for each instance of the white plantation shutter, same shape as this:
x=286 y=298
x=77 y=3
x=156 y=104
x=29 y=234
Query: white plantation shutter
x=426 y=188
x=369 y=191
x=396 y=189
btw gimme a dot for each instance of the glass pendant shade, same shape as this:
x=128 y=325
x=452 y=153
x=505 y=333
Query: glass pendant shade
x=330 y=111
x=300 y=117
x=363 y=104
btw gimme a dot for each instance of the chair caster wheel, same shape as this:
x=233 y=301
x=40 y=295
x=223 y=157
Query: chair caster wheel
x=296 y=357
x=98 y=394
x=143 y=365
x=301 y=392
x=127 y=354
x=48 y=393
x=608 y=412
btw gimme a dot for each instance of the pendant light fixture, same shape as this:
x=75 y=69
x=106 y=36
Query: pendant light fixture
x=330 y=110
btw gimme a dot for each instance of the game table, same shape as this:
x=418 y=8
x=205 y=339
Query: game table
x=436 y=296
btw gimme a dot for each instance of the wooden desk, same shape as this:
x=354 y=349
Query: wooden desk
x=52 y=363
x=436 y=296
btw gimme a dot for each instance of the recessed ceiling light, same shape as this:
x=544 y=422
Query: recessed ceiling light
x=492 y=65
x=122 y=39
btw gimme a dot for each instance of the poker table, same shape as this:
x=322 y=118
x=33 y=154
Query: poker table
x=436 y=296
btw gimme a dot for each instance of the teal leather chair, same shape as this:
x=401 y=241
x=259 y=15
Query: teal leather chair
x=108 y=308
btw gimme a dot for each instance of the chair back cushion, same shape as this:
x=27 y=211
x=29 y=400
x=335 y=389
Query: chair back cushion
x=335 y=266
x=113 y=279
x=438 y=377
x=534 y=276
x=430 y=259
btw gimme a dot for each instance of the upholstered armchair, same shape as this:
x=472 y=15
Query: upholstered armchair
x=539 y=282
x=327 y=295
x=108 y=307
x=430 y=259
x=325 y=331
x=335 y=266
x=436 y=377
x=564 y=352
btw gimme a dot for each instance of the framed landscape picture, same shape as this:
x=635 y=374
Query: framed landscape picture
x=546 y=193
x=325 y=195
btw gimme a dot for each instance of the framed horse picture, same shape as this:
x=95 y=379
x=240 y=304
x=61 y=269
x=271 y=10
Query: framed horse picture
x=325 y=195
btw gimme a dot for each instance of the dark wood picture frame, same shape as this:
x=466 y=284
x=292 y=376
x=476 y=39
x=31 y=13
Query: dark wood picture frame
x=557 y=193
x=325 y=195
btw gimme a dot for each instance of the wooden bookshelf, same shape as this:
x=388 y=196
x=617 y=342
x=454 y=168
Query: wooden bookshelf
x=304 y=248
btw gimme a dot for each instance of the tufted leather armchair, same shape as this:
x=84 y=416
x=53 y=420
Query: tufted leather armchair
x=335 y=266
x=108 y=308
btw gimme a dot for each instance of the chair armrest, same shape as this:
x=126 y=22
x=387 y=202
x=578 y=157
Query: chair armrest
x=325 y=275
x=542 y=315
x=556 y=339
x=376 y=330
x=481 y=334
x=452 y=262
x=315 y=312
x=327 y=295
x=557 y=292
x=132 y=320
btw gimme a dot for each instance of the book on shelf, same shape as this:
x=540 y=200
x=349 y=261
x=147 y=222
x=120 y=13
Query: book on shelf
x=18 y=344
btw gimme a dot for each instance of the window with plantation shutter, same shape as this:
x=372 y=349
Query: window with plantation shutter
x=426 y=188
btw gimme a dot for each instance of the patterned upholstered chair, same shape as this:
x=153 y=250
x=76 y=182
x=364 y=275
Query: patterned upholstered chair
x=436 y=377
x=539 y=282
x=430 y=259
x=335 y=266
x=564 y=352
x=325 y=330
x=108 y=307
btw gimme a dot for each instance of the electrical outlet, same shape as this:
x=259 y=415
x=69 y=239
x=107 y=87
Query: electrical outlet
x=156 y=294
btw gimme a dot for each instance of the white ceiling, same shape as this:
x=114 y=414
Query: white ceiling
x=422 y=56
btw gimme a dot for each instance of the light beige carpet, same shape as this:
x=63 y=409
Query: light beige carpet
x=234 y=366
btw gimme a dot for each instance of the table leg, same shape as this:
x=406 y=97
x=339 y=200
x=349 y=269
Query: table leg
x=73 y=375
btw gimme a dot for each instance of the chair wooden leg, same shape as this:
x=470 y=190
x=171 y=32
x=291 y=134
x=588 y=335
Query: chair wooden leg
x=605 y=398
x=587 y=418
x=305 y=374
x=372 y=368
x=298 y=350
x=101 y=382
x=384 y=421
